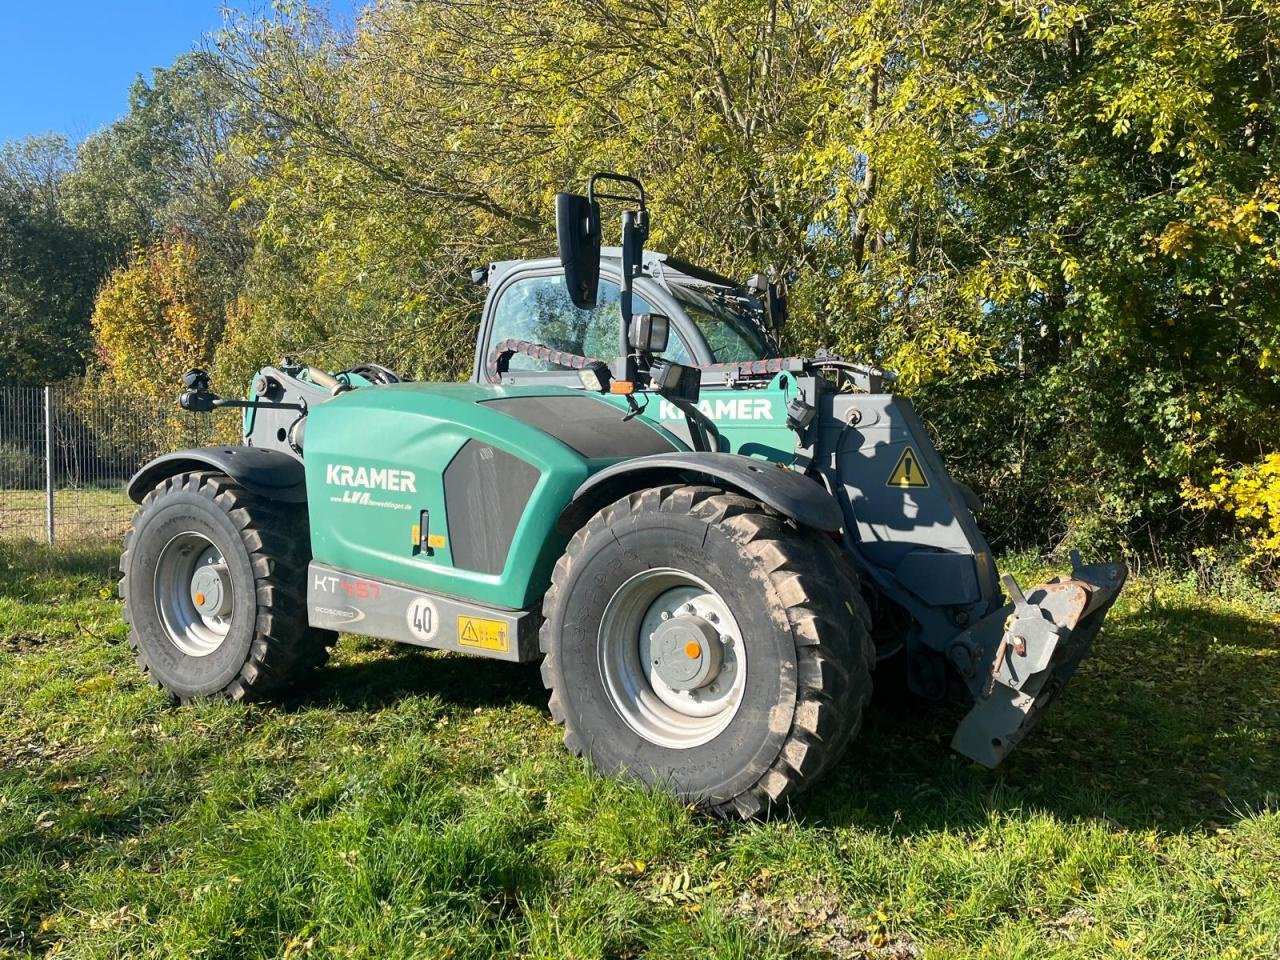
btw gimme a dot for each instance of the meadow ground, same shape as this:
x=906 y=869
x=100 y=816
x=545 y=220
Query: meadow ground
x=79 y=513
x=409 y=804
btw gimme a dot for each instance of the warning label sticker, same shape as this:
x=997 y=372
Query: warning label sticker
x=908 y=473
x=485 y=634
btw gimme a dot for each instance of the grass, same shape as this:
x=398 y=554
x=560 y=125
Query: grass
x=419 y=805
x=79 y=513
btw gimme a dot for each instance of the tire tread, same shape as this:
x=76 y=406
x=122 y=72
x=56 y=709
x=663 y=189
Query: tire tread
x=828 y=618
x=284 y=649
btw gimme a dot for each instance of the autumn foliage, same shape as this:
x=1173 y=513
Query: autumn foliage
x=154 y=318
x=1058 y=222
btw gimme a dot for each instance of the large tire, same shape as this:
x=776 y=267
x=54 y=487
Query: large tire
x=804 y=637
x=260 y=642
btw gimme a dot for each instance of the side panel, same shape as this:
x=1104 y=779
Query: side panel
x=486 y=492
x=337 y=600
x=908 y=517
x=376 y=464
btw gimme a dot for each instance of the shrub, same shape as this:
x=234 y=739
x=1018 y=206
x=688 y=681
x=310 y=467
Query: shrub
x=19 y=468
x=1250 y=493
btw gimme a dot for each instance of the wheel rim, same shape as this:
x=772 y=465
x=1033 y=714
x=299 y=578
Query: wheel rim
x=194 y=595
x=666 y=691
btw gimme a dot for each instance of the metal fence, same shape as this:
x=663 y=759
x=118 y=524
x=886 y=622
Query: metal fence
x=66 y=454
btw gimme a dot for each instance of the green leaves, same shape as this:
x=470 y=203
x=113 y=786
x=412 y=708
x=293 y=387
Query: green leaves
x=1058 y=222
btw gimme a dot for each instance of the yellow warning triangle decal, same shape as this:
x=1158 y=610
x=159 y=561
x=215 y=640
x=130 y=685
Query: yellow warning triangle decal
x=469 y=633
x=908 y=473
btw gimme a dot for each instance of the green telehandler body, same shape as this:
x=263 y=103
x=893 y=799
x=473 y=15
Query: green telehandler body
x=709 y=546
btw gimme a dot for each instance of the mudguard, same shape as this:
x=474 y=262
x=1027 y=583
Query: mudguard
x=268 y=473
x=792 y=494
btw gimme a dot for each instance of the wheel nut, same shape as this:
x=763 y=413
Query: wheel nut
x=666 y=615
x=711 y=617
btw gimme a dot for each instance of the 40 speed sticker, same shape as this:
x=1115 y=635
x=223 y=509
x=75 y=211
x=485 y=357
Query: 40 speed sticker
x=422 y=618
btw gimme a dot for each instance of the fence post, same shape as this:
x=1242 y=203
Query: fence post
x=48 y=462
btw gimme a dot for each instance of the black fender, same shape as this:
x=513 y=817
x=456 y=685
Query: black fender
x=793 y=495
x=267 y=473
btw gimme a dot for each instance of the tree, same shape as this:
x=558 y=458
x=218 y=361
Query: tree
x=168 y=165
x=49 y=267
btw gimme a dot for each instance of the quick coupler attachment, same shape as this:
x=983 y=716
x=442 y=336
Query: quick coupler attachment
x=1019 y=658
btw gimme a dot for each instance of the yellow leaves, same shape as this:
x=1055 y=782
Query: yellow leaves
x=1176 y=240
x=1245 y=222
x=154 y=317
x=103 y=681
x=1251 y=495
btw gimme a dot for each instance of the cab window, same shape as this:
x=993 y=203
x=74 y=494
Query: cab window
x=538 y=309
x=730 y=322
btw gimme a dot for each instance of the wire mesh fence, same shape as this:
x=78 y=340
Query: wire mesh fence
x=66 y=454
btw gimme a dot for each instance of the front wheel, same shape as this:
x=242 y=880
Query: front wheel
x=213 y=580
x=697 y=641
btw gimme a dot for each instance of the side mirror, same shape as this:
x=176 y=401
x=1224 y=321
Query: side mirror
x=775 y=306
x=578 y=236
x=775 y=301
x=649 y=333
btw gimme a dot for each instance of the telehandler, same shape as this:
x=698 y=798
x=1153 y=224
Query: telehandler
x=708 y=545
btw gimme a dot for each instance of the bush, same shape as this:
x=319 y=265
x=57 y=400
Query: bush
x=1251 y=495
x=19 y=468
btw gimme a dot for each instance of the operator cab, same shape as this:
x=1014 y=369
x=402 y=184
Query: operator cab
x=713 y=320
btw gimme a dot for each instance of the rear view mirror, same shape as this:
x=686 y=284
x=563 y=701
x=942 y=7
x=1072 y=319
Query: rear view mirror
x=578 y=235
x=775 y=306
x=649 y=333
x=775 y=299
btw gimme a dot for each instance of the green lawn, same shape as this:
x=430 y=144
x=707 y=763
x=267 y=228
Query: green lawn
x=419 y=805
x=80 y=513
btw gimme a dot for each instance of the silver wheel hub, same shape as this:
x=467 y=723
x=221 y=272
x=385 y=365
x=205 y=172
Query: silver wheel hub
x=672 y=658
x=211 y=588
x=193 y=593
x=686 y=652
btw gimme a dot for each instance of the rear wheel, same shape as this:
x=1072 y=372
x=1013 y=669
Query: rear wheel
x=214 y=587
x=695 y=640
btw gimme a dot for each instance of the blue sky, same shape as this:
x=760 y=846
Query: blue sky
x=66 y=65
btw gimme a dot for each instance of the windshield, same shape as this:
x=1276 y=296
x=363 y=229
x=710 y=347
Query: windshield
x=729 y=321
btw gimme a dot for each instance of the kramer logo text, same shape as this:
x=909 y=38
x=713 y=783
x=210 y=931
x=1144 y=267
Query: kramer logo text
x=732 y=408
x=371 y=478
x=359 y=481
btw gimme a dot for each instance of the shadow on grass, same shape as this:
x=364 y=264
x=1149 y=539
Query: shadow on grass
x=1172 y=725
x=460 y=681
